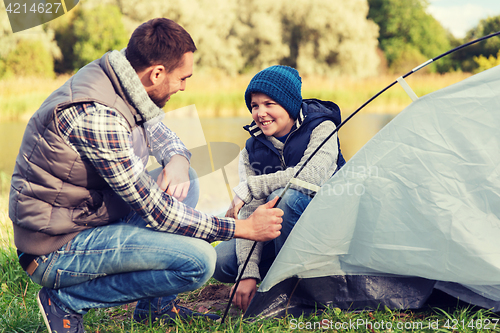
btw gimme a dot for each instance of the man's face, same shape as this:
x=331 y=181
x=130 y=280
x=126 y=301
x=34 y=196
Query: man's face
x=173 y=82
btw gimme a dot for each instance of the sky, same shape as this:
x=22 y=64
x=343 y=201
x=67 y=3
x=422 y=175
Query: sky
x=459 y=16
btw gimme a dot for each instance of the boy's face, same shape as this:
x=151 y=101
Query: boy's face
x=271 y=117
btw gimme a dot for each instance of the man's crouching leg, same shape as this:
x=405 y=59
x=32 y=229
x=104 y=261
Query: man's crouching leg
x=199 y=267
x=123 y=263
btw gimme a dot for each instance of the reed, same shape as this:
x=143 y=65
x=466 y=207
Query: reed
x=21 y=96
x=6 y=232
x=351 y=93
x=218 y=95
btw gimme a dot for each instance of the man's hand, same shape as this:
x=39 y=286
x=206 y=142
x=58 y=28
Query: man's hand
x=245 y=292
x=235 y=207
x=263 y=225
x=174 y=179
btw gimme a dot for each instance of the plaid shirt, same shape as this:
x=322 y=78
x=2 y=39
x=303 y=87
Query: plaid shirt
x=102 y=136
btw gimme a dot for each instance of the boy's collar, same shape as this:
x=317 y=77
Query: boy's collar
x=300 y=118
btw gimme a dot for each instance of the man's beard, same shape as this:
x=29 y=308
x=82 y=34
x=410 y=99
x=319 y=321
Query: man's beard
x=160 y=102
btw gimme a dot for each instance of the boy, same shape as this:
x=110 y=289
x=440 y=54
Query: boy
x=284 y=133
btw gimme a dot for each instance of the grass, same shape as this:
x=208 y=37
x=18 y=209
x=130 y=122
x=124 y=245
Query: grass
x=19 y=313
x=21 y=96
x=216 y=95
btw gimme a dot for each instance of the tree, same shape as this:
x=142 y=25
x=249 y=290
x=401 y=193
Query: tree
x=259 y=29
x=29 y=53
x=485 y=27
x=88 y=32
x=29 y=58
x=330 y=37
x=66 y=39
x=489 y=48
x=408 y=35
x=315 y=36
x=210 y=23
x=97 y=31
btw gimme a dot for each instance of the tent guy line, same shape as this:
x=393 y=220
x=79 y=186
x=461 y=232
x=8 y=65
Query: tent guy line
x=400 y=80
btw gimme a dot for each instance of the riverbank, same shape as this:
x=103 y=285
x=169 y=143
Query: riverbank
x=222 y=96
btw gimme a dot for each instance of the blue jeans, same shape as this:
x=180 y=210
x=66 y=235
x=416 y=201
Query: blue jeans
x=293 y=205
x=125 y=262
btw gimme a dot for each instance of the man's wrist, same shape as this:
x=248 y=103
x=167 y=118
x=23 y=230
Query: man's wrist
x=241 y=228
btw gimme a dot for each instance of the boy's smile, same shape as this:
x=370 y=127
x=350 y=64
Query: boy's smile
x=271 y=117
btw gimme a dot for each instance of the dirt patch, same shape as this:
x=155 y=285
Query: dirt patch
x=211 y=298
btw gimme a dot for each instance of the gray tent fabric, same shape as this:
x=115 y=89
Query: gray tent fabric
x=419 y=202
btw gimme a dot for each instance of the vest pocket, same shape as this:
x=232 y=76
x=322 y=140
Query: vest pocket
x=68 y=278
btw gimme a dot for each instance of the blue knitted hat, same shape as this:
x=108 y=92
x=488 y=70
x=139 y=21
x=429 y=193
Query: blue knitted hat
x=282 y=84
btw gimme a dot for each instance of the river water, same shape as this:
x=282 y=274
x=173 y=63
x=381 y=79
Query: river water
x=353 y=135
x=197 y=132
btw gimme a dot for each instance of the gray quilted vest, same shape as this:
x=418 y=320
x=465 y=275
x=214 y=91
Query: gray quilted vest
x=55 y=195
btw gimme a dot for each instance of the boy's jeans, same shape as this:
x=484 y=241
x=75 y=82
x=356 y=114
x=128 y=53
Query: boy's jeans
x=293 y=205
x=125 y=262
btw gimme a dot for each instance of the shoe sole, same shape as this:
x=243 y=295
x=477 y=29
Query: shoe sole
x=44 y=315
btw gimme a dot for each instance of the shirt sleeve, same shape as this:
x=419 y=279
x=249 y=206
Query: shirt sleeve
x=244 y=170
x=165 y=143
x=103 y=138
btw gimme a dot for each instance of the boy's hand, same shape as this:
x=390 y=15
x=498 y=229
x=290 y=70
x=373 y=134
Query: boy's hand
x=235 y=207
x=245 y=292
x=263 y=225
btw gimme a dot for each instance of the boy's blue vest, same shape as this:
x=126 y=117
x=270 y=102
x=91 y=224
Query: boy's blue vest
x=265 y=158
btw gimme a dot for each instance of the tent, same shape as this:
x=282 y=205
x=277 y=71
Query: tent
x=416 y=211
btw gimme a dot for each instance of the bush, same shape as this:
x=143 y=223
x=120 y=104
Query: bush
x=98 y=31
x=485 y=63
x=29 y=58
x=87 y=34
x=404 y=57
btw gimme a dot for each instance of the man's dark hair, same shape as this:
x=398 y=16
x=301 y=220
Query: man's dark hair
x=159 y=41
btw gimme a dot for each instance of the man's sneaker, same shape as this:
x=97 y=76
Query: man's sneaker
x=174 y=311
x=57 y=320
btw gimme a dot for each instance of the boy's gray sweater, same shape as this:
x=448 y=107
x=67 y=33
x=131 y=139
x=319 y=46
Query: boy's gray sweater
x=254 y=189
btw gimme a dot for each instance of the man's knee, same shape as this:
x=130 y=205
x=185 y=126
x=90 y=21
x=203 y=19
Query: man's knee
x=226 y=267
x=211 y=260
x=206 y=258
x=194 y=189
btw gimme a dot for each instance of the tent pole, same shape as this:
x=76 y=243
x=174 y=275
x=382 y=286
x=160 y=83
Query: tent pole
x=336 y=130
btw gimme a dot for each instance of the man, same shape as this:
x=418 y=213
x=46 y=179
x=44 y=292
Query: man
x=90 y=224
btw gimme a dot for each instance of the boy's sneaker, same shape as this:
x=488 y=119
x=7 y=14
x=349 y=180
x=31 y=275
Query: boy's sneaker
x=174 y=311
x=57 y=320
